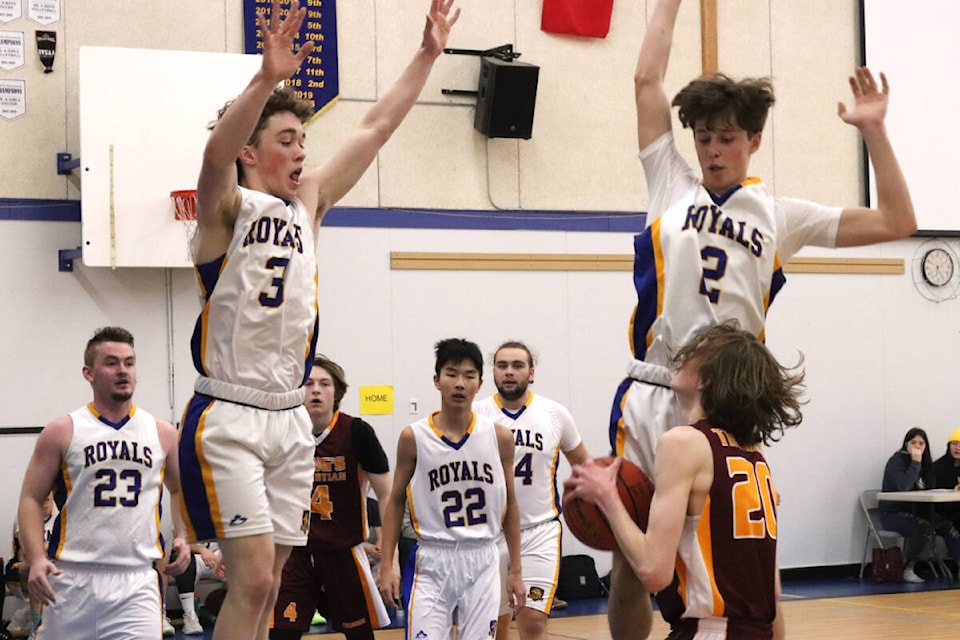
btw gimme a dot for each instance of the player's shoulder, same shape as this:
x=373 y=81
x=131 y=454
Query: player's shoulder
x=58 y=429
x=486 y=406
x=553 y=407
x=682 y=436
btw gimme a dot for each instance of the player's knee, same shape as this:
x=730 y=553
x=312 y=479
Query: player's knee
x=532 y=624
x=254 y=588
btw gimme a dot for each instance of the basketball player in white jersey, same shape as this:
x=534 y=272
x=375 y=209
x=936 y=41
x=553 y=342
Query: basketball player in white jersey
x=105 y=463
x=246 y=443
x=542 y=429
x=451 y=469
x=715 y=244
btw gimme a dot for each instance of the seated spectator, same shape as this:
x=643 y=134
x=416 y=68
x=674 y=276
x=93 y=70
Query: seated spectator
x=25 y=619
x=911 y=469
x=206 y=564
x=946 y=472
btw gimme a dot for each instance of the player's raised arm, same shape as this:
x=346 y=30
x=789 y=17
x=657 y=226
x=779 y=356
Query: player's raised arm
x=893 y=217
x=653 y=106
x=217 y=194
x=321 y=188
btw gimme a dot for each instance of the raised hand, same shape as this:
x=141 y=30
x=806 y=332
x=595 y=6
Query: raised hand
x=869 y=101
x=438 y=26
x=279 y=60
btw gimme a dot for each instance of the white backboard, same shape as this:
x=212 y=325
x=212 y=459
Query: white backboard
x=143 y=119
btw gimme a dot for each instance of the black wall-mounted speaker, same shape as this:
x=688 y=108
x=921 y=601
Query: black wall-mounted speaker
x=506 y=97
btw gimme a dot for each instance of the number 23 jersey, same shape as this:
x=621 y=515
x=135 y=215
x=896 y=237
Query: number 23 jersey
x=108 y=491
x=458 y=490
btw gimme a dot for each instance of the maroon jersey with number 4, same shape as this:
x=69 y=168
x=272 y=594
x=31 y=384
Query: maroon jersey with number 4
x=345 y=450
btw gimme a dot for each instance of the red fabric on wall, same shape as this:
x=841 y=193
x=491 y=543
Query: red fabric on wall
x=577 y=17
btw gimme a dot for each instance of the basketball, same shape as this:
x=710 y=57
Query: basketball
x=587 y=523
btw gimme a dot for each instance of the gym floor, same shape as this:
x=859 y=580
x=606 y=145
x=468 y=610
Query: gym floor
x=797 y=588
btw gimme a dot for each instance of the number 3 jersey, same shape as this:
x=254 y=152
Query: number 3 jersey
x=108 y=491
x=458 y=490
x=258 y=326
x=707 y=258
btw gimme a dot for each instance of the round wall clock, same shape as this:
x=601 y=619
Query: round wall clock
x=936 y=274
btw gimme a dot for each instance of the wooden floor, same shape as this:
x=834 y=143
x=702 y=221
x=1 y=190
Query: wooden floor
x=929 y=615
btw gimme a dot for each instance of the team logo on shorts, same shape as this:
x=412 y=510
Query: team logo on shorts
x=536 y=593
x=305 y=522
x=237 y=520
x=421 y=634
x=493 y=628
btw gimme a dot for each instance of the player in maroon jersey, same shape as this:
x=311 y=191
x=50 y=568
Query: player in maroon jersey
x=710 y=548
x=332 y=572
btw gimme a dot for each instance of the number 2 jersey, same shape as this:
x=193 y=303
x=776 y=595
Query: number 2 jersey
x=727 y=557
x=705 y=258
x=108 y=491
x=258 y=326
x=458 y=490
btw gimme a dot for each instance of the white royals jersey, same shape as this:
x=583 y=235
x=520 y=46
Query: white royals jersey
x=258 y=325
x=705 y=259
x=542 y=429
x=458 y=492
x=109 y=492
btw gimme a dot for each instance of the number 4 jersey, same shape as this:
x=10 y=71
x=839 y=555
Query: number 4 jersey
x=458 y=491
x=109 y=490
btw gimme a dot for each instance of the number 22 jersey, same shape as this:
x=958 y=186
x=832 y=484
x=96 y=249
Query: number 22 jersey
x=458 y=491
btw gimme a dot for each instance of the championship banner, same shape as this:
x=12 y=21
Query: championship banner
x=318 y=80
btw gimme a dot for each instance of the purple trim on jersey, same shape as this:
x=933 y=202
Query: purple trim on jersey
x=513 y=415
x=722 y=199
x=208 y=274
x=616 y=414
x=191 y=473
x=456 y=445
x=557 y=495
x=116 y=426
x=645 y=282
x=311 y=353
x=777 y=282
x=56 y=533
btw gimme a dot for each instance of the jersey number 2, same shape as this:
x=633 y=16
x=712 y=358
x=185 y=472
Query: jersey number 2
x=714 y=266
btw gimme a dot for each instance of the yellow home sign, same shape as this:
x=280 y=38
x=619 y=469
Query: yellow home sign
x=376 y=400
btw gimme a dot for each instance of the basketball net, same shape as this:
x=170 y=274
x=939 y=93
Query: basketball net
x=185 y=212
